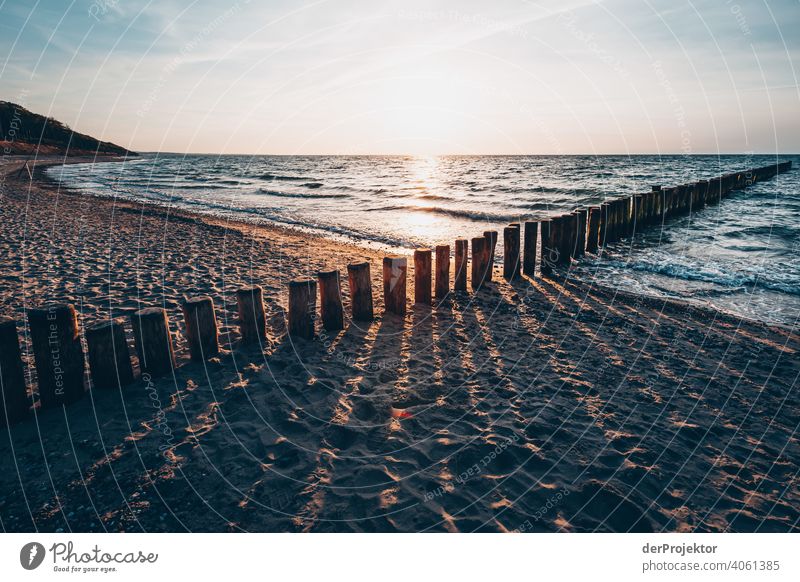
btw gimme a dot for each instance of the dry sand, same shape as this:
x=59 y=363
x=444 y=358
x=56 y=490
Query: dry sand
x=546 y=405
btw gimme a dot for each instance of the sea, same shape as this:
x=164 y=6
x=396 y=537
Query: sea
x=742 y=256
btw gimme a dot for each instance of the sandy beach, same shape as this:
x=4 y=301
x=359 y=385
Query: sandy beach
x=542 y=405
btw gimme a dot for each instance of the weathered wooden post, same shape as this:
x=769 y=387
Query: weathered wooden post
x=713 y=191
x=252 y=317
x=605 y=217
x=302 y=308
x=694 y=197
x=395 y=269
x=559 y=233
x=422 y=276
x=109 y=359
x=622 y=218
x=491 y=245
x=636 y=214
x=611 y=228
x=702 y=194
x=201 y=327
x=668 y=201
x=442 y=287
x=657 y=206
x=529 y=253
x=582 y=215
x=559 y=237
x=511 y=242
x=555 y=240
x=330 y=300
x=360 y=291
x=571 y=221
x=462 y=251
x=593 y=230
x=480 y=261
x=153 y=341
x=613 y=221
x=58 y=354
x=547 y=259
x=680 y=196
x=647 y=210
x=14 y=401
x=629 y=216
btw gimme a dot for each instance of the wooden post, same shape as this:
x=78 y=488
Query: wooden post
x=109 y=359
x=624 y=216
x=153 y=341
x=442 y=271
x=636 y=214
x=570 y=237
x=629 y=216
x=657 y=206
x=422 y=276
x=582 y=215
x=511 y=252
x=558 y=239
x=702 y=195
x=57 y=351
x=480 y=261
x=491 y=244
x=201 y=327
x=529 y=254
x=593 y=230
x=14 y=401
x=611 y=227
x=330 y=300
x=302 y=308
x=605 y=216
x=546 y=261
x=715 y=187
x=394 y=284
x=252 y=317
x=669 y=195
x=360 y=283
x=462 y=250
x=694 y=196
x=655 y=218
x=571 y=241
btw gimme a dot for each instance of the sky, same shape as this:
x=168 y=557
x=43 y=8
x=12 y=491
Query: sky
x=407 y=77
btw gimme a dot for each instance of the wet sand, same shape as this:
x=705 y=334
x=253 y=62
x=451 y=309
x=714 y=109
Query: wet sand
x=542 y=405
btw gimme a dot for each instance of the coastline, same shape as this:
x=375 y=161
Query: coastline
x=591 y=381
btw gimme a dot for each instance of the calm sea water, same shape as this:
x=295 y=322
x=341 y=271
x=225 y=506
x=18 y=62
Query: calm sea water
x=741 y=256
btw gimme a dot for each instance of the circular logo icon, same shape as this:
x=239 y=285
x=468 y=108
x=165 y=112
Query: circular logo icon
x=31 y=555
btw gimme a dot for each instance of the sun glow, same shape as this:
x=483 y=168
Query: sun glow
x=424 y=117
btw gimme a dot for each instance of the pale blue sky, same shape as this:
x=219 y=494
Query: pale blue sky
x=412 y=77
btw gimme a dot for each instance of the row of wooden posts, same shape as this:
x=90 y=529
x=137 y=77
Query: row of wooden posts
x=563 y=238
x=56 y=336
x=60 y=363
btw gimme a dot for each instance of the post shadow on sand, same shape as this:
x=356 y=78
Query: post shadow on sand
x=583 y=498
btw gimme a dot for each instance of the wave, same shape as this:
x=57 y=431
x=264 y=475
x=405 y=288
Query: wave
x=283 y=178
x=767 y=231
x=280 y=194
x=433 y=197
x=475 y=215
x=732 y=281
